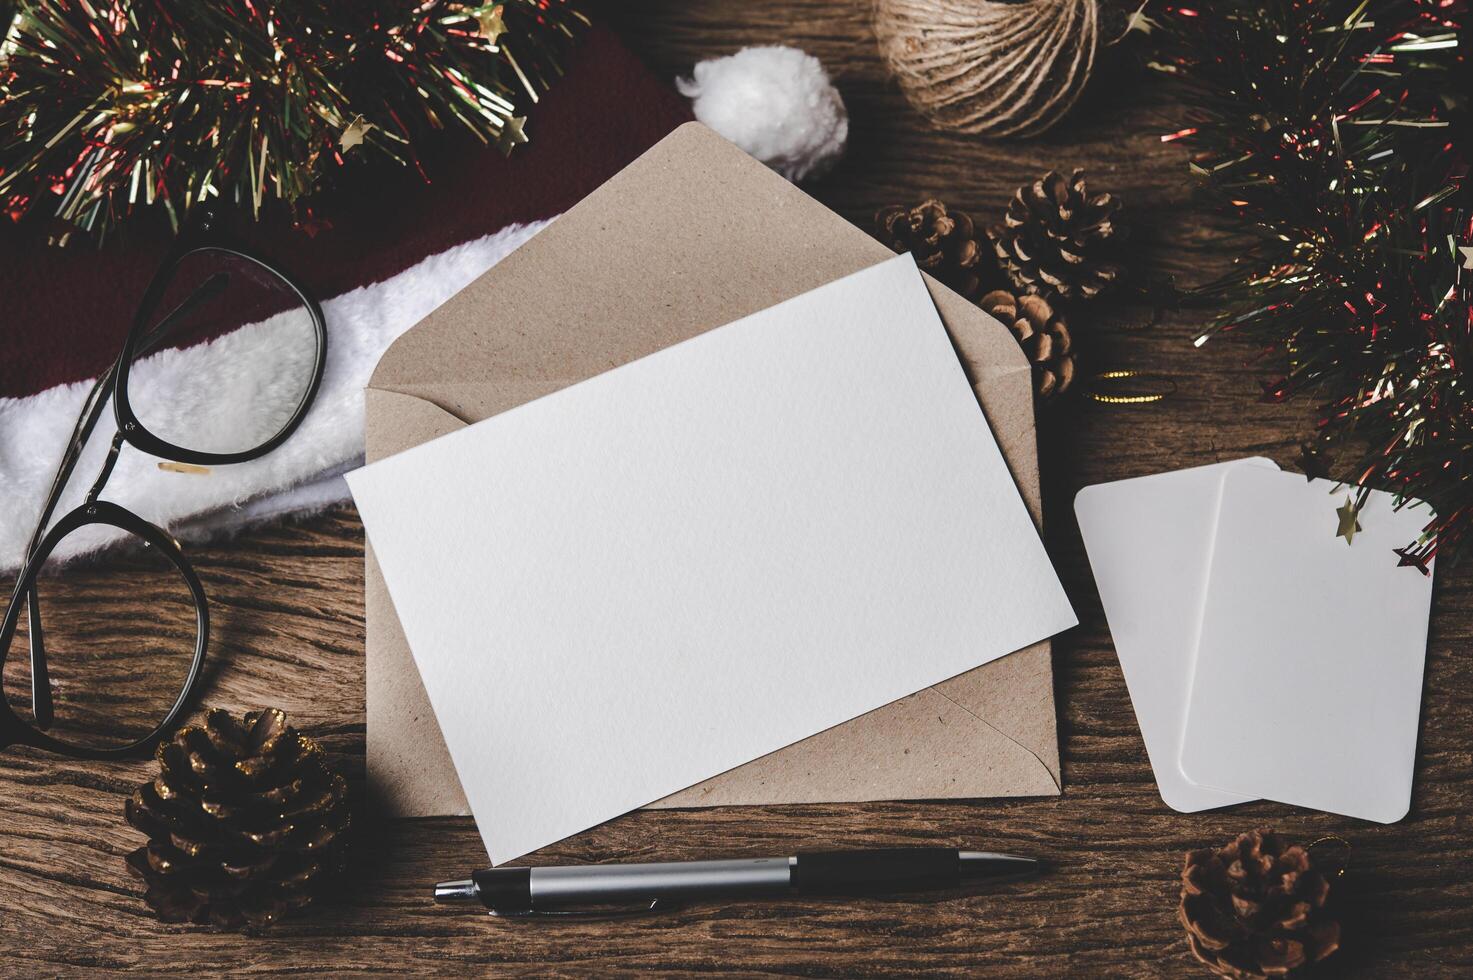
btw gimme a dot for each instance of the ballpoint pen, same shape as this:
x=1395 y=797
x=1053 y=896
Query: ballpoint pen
x=602 y=888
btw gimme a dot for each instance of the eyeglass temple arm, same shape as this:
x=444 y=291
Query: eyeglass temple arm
x=41 y=703
x=42 y=707
x=205 y=291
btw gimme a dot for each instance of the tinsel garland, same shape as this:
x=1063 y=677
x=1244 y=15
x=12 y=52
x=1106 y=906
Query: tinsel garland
x=1335 y=133
x=109 y=106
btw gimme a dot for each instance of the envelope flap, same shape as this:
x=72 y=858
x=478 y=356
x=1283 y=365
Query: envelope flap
x=1007 y=696
x=658 y=259
x=927 y=744
x=401 y=420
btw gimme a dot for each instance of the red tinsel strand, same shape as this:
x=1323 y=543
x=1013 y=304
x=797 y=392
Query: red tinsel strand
x=1321 y=129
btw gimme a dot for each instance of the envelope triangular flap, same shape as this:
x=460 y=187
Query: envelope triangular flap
x=746 y=239
x=693 y=235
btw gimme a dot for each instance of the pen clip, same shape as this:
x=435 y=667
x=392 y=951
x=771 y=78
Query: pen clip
x=591 y=914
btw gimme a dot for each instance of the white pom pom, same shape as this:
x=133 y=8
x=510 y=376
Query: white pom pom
x=774 y=102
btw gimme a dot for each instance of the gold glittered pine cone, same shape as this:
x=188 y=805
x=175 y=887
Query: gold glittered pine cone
x=1257 y=908
x=943 y=241
x=1058 y=240
x=245 y=821
x=1042 y=334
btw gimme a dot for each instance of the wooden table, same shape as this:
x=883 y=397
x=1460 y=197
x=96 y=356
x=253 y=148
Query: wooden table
x=289 y=626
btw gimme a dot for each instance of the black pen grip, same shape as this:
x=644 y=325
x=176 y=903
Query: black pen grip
x=886 y=870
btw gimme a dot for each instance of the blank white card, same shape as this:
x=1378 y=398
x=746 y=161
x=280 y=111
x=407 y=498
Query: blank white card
x=1149 y=541
x=671 y=569
x=1308 y=685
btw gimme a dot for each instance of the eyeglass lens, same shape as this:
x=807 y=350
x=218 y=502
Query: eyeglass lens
x=119 y=639
x=227 y=357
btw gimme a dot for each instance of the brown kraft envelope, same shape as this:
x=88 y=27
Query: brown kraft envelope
x=693 y=235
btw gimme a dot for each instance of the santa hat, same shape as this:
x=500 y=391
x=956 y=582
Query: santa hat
x=385 y=246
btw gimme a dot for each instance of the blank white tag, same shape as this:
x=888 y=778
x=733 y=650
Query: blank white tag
x=1149 y=540
x=1308 y=685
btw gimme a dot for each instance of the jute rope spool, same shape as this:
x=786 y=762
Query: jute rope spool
x=990 y=68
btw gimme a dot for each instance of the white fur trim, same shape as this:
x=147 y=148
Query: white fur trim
x=302 y=474
x=774 y=102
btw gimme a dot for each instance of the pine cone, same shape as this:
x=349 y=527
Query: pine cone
x=1256 y=908
x=245 y=822
x=944 y=242
x=1041 y=333
x=1058 y=240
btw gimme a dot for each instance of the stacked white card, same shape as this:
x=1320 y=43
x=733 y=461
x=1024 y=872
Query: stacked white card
x=1266 y=656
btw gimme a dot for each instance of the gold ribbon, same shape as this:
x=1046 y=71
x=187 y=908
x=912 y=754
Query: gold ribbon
x=1113 y=379
x=1333 y=839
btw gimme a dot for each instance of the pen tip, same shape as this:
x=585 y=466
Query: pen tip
x=989 y=864
x=457 y=891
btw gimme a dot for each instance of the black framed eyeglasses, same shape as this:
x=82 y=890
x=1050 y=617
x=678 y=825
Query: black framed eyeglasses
x=99 y=682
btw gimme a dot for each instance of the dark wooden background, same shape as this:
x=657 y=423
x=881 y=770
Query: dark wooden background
x=289 y=627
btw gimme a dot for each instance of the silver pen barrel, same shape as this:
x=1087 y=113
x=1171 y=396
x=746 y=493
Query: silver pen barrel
x=608 y=884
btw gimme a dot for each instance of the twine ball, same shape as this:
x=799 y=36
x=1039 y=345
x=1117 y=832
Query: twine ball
x=987 y=67
x=775 y=102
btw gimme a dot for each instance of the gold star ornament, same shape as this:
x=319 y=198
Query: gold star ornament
x=353 y=134
x=512 y=133
x=1348 y=523
x=1312 y=463
x=491 y=25
x=1138 y=21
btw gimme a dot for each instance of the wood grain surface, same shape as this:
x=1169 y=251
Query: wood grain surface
x=288 y=624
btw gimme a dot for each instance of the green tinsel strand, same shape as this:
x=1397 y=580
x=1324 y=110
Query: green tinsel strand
x=1329 y=132
x=110 y=106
